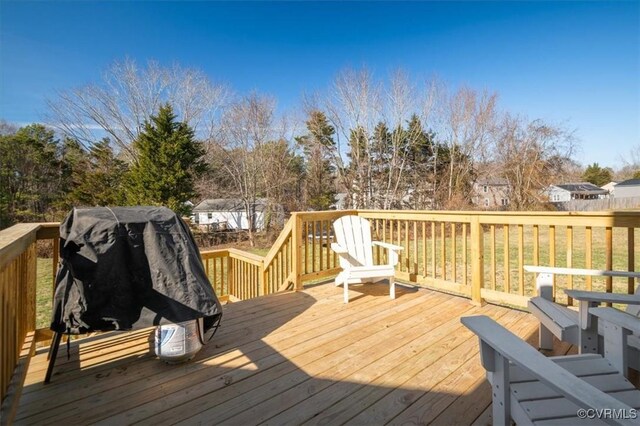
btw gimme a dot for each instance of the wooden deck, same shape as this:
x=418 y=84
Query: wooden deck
x=287 y=358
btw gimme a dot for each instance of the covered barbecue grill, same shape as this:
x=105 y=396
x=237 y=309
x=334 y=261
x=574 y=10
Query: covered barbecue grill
x=129 y=267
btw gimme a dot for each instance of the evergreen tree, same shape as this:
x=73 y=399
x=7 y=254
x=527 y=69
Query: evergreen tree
x=100 y=182
x=597 y=175
x=319 y=183
x=423 y=165
x=29 y=174
x=168 y=160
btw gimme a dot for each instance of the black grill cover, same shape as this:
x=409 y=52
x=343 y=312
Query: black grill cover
x=129 y=267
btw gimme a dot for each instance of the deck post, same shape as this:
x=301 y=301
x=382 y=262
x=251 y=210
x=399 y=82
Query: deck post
x=231 y=284
x=477 y=260
x=263 y=281
x=296 y=237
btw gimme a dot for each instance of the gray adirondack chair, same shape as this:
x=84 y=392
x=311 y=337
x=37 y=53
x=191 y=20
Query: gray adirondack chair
x=533 y=389
x=580 y=327
x=355 y=250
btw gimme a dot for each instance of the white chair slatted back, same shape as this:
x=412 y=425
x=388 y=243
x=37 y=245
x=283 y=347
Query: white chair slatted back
x=354 y=234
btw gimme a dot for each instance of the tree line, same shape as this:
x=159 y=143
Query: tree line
x=42 y=176
x=163 y=136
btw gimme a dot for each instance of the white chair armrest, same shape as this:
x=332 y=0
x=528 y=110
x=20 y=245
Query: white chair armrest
x=338 y=248
x=387 y=245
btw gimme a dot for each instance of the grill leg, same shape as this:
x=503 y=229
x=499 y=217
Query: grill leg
x=53 y=354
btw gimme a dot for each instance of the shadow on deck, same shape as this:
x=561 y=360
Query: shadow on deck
x=287 y=358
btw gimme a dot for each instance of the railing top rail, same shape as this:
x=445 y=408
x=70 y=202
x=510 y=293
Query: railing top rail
x=15 y=240
x=578 y=271
x=48 y=230
x=284 y=234
x=604 y=213
x=604 y=218
x=209 y=254
x=246 y=256
x=324 y=214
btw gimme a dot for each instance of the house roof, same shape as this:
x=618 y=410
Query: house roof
x=226 y=205
x=629 y=182
x=585 y=188
x=492 y=181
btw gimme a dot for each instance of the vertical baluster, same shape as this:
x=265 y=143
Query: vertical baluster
x=407 y=260
x=631 y=261
x=521 y=259
x=454 y=253
x=570 y=260
x=327 y=243
x=384 y=233
x=424 y=248
x=507 y=260
x=536 y=245
x=609 y=258
x=494 y=271
x=415 y=248
x=552 y=255
x=443 y=254
x=433 y=249
x=305 y=247
x=588 y=236
x=314 y=267
x=464 y=254
x=377 y=250
x=399 y=238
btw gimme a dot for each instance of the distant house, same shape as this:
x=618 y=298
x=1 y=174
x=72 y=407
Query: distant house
x=610 y=187
x=628 y=188
x=575 y=191
x=491 y=193
x=230 y=213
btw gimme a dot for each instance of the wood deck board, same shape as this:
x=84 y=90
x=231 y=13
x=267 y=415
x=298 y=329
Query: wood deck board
x=290 y=358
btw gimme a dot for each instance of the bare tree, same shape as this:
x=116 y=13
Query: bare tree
x=128 y=95
x=465 y=126
x=630 y=165
x=370 y=119
x=248 y=129
x=531 y=155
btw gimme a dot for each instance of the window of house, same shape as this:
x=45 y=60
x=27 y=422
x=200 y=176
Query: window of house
x=486 y=202
x=209 y=216
x=505 y=202
x=485 y=189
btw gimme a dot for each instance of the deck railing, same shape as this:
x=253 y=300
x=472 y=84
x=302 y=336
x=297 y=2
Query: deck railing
x=479 y=255
x=18 y=263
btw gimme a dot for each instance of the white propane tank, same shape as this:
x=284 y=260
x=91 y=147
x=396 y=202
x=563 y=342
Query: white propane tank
x=176 y=343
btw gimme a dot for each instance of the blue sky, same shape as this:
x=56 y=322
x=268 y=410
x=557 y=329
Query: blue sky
x=576 y=63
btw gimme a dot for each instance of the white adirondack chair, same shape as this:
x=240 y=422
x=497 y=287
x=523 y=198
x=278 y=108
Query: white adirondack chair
x=355 y=250
x=533 y=389
x=580 y=327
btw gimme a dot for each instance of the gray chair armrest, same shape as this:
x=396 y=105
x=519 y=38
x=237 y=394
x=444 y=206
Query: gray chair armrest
x=617 y=317
x=531 y=361
x=602 y=297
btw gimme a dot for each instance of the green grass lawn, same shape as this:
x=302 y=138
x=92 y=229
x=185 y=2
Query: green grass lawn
x=44 y=293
